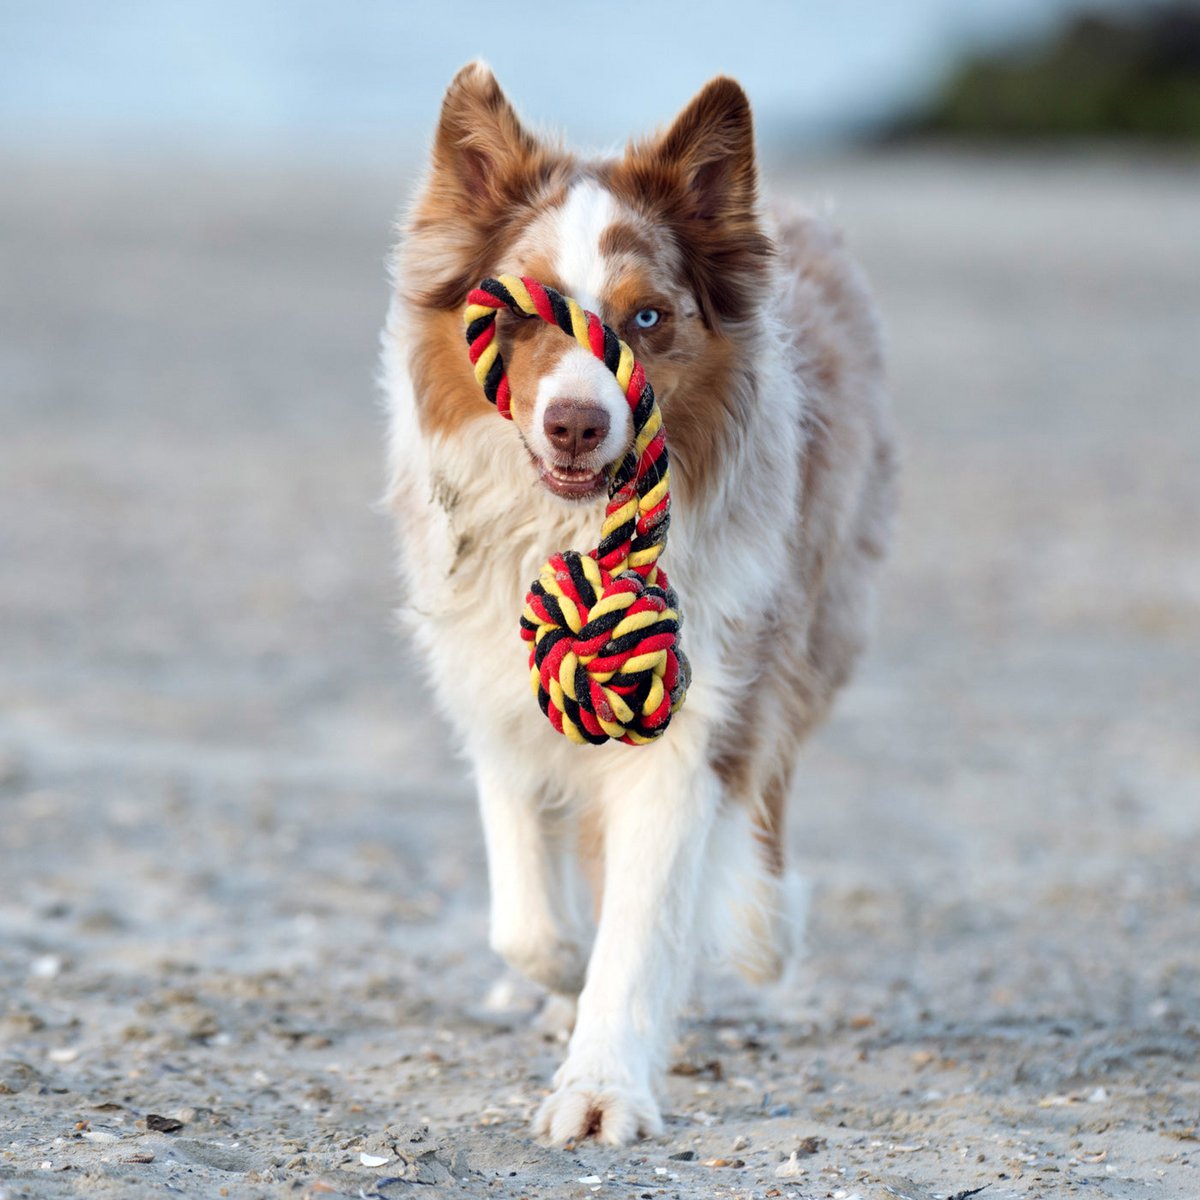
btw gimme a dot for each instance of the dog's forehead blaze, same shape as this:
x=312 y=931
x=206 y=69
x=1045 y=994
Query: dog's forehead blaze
x=580 y=222
x=562 y=248
x=593 y=247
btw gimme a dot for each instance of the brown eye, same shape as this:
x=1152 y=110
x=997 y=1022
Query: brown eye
x=515 y=324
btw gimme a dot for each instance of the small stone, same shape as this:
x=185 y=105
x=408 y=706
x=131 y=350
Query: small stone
x=100 y=921
x=791 y=1169
x=20 y=1024
x=163 y=1124
x=683 y=1156
x=16 y=1076
x=373 y=1160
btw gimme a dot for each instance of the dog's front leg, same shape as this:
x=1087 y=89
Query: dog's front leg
x=536 y=926
x=657 y=812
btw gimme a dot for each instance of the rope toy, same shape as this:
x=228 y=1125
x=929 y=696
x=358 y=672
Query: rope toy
x=605 y=659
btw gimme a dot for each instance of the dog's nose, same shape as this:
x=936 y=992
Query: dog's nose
x=574 y=426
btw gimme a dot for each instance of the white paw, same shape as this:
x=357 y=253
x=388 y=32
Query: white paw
x=556 y=1018
x=558 y=964
x=610 y=1112
x=771 y=928
x=512 y=995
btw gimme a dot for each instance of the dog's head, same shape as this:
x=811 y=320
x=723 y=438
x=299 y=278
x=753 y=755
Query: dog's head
x=664 y=244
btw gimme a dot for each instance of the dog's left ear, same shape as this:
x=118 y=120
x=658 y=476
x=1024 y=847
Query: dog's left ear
x=702 y=178
x=711 y=144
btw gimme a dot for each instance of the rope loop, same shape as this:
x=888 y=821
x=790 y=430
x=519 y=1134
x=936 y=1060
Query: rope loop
x=603 y=627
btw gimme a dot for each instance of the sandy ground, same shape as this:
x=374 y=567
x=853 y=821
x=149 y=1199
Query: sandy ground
x=242 y=938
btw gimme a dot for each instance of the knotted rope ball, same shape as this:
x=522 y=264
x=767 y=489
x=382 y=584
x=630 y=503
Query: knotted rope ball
x=605 y=660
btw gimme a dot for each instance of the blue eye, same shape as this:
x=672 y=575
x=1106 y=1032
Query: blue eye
x=647 y=318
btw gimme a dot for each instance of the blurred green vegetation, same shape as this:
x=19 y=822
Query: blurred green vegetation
x=1133 y=74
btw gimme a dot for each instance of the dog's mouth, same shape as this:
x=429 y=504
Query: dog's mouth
x=571 y=481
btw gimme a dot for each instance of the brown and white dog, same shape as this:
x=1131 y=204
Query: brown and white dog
x=761 y=342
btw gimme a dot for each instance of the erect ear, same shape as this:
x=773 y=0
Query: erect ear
x=486 y=172
x=480 y=147
x=700 y=177
x=712 y=145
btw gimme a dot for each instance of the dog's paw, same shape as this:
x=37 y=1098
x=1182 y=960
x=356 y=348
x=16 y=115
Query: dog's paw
x=557 y=964
x=512 y=995
x=556 y=1019
x=592 y=1107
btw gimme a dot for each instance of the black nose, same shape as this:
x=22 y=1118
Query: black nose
x=575 y=427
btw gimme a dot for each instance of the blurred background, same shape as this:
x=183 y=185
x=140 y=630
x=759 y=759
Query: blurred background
x=362 y=82
x=235 y=838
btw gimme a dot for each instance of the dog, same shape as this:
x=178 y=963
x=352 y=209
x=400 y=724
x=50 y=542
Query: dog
x=759 y=336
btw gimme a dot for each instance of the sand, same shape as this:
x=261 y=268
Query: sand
x=242 y=909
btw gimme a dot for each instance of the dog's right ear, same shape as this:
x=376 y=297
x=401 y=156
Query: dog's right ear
x=481 y=148
x=486 y=171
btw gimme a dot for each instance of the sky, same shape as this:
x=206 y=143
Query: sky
x=362 y=79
